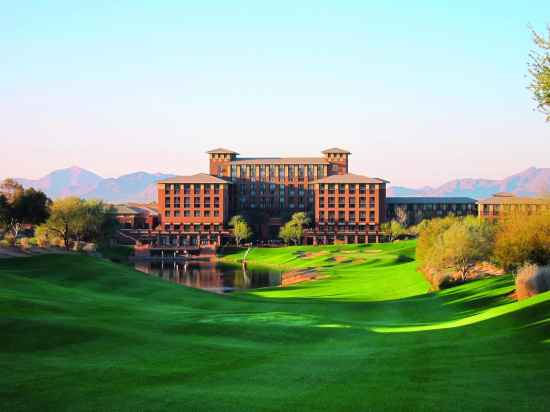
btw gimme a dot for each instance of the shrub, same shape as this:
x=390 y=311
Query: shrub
x=532 y=280
x=454 y=245
x=523 y=239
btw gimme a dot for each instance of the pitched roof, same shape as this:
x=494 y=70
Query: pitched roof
x=428 y=200
x=335 y=150
x=198 y=178
x=280 y=161
x=222 y=150
x=122 y=210
x=350 y=178
x=499 y=199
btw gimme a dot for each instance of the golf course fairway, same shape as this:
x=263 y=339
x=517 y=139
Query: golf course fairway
x=84 y=334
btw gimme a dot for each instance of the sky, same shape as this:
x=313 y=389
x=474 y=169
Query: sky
x=420 y=92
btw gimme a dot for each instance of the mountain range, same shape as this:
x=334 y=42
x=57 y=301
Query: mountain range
x=140 y=186
x=530 y=182
x=75 y=181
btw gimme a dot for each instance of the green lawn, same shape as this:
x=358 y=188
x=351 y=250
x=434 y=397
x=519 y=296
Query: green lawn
x=81 y=333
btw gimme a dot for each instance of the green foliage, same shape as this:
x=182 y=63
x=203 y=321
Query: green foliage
x=293 y=230
x=539 y=69
x=523 y=239
x=394 y=229
x=19 y=207
x=455 y=245
x=241 y=229
x=74 y=220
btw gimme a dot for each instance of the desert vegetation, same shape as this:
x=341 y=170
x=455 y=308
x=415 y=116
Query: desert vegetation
x=29 y=219
x=454 y=250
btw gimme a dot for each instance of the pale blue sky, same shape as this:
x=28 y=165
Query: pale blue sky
x=420 y=92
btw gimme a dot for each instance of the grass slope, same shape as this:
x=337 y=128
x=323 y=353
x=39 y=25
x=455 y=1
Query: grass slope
x=85 y=334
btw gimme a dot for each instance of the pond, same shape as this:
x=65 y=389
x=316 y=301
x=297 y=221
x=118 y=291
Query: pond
x=210 y=276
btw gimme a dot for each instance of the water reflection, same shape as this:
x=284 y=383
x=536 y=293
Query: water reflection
x=214 y=277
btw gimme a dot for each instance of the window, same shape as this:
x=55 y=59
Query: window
x=196 y=213
x=186 y=213
x=216 y=213
x=196 y=228
x=342 y=202
x=186 y=228
x=362 y=189
x=176 y=213
x=207 y=213
x=320 y=171
x=167 y=227
x=341 y=216
x=341 y=189
x=351 y=189
x=166 y=213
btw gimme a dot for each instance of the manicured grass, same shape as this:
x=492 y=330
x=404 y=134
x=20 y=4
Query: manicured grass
x=80 y=333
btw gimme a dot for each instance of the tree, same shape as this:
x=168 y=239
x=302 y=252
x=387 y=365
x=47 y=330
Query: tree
x=65 y=218
x=293 y=230
x=241 y=230
x=464 y=244
x=22 y=207
x=522 y=239
x=539 y=70
x=401 y=215
x=393 y=229
x=4 y=210
x=74 y=219
x=10 y=189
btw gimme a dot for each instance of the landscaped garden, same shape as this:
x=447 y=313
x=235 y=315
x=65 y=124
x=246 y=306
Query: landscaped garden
x=83 y=333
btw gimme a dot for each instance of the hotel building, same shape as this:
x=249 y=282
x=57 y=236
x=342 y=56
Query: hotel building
x=502 y=204
x=195 y=210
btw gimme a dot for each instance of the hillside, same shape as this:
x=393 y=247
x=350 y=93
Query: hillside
x=80 y=333
x=75 y=181
x=530 y=182
x=140 y=186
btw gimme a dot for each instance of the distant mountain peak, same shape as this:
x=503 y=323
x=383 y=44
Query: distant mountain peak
x=77 y=181
x=530 y=182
